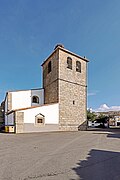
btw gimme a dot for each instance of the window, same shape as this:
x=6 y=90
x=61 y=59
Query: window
x=39 y=120
x=69 y=62
x=45 y=71
x=78 y=66
x=49 y=67
x=35 y=99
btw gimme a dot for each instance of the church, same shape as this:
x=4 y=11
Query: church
x=61 y=103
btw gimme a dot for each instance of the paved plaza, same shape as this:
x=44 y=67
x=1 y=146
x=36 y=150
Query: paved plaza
x=85 y=155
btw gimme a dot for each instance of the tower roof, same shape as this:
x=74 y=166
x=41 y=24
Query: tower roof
x=61 y=47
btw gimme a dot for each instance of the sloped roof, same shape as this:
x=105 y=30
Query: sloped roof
x=32 y=107
x=67 y=51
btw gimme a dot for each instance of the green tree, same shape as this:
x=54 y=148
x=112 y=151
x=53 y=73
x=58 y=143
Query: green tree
x=90 y=116
x=102 y=119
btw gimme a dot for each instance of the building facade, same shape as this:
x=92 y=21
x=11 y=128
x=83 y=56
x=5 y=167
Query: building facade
x=63 y=97
x=65 y=82
x=23 y=99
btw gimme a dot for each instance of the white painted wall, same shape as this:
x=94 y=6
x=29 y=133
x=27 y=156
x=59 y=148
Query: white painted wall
x=51 y=113
x=23 y=99
x=117 y=119
x=40 y=94
x=6 y=117
x=10 y=119
x=6 y=108
x=6 y=103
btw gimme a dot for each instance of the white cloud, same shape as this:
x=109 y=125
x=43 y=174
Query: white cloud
x=93 y=93
x=106 y=108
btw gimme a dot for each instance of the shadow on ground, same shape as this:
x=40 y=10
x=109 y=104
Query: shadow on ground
x=99 y=165
x=110 y=132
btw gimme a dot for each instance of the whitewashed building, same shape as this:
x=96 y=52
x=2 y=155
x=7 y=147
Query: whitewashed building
x=25 y=111
x=117 y=120
x=23 y=99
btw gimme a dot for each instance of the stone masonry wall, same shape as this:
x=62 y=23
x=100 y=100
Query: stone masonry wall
x=9 y=101
x=51 y=93
x=67 y=87
x=72 y=106
x=19 y=121
x=72 y=93
x=72 y=75
x=50 y=80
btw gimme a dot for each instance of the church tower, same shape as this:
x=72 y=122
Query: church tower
x=65 y=82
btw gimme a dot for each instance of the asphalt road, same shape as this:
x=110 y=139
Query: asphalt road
x=88 y=155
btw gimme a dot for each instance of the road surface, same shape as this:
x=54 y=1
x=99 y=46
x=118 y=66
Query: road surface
x=86 y=155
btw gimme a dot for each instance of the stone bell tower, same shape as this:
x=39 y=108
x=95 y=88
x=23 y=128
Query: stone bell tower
x=65 y=82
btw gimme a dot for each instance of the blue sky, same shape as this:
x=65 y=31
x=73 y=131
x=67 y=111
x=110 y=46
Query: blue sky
x=29 y=30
